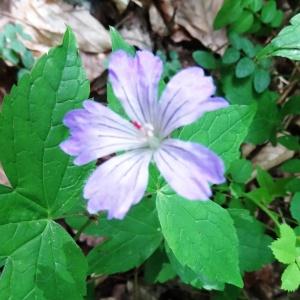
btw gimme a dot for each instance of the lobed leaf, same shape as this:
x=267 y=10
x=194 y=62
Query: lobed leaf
x=284 y=248
x=42 y=262
x=290 y=279
x=31 y=130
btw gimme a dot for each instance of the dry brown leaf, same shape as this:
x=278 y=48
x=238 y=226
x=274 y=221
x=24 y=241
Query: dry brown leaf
x=135 y=32
x=195 y=17
x=270 y=156
x=94 y=64
x=4 y=13
x=142 y=3
x=90 y=240
x=3 y=177
x=121 y=5
x=157 y=22
x=46 y=22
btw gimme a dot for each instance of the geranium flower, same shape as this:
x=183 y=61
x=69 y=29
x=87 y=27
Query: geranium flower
x=97 y=131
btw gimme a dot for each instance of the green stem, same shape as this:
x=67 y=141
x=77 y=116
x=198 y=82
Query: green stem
x=272 y=215
x=82 y=228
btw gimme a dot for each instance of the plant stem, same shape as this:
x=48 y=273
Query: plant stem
x=273 y=216
x=82 y=228
x=270 y=213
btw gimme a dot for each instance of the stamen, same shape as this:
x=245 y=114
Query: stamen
x=136 y=124
x=147 y=134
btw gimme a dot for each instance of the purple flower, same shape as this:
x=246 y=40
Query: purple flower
x=96 y=131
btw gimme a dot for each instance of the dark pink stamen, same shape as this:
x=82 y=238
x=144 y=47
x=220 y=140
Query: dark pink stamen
x=136 y=124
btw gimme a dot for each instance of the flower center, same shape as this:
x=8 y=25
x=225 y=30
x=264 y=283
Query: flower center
x=148 y=133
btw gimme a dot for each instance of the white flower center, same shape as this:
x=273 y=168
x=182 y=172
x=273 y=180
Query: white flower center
x=148 y=134
x=153 y=141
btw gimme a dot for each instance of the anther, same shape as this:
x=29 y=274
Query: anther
x=136 y=124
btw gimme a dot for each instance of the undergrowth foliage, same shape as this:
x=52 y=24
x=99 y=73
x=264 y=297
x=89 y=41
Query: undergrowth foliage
x=207 y=245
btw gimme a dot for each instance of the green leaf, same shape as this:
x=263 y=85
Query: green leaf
x=205 y=59
x=10 y=31
x=228 y=13
x=10 y=56
x=255 y=5
x=18 y=47
x=235 y=40
x=284 y=248
x=290 y=279
x=22 y=72
x=240 y=170
x=114 y=103
x=31 y=130
x=266 y=120
x=238 y=91
x=242 y=43
x=259 y=196
x=275 y=188
x=222 y=131
x=278 y=18
x=292 y=107
x=201 y=236
x=289 y=141
x=264 y=179
x=268 y=12
x=188 y=276
x=158 y=268
x=265 y=63
x=43 y=262
x=27 y=60
x=244 y=68
x=262 y=80
x=118 y=43
x=231 y=56
x=244 y=22
x=291 y=166
x=128 y=242
x=253 y=243
x=39 y=264
x=248 y=48
x=20 y=31
x=2 y=41
x=237 y=191
x=295 y=207
x=293 y=185
x=166 y=273
x=286 y=43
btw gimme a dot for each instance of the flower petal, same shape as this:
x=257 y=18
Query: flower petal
x=135 y=83
x=97 y=131
x=189 y=168
x=118 y=183
x=186 y=97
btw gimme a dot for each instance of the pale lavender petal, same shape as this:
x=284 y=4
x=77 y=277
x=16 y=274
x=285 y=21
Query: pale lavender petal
x=96 y=131
x=118 y=183
x=186 y=97
x=135 y=83
x=189 y=168
x=214 y=103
